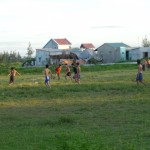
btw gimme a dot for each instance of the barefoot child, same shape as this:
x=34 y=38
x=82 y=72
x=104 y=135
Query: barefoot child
x=13 y=72
x=47 y=72
x=58 y=70
x=68 y=72
x=78 y=73
x=139 y=77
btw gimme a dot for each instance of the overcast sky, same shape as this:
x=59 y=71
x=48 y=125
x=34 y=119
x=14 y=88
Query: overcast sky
x=80 y=21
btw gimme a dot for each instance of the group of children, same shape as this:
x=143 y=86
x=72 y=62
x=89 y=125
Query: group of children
x=48 y=73
x=76 y=69
x=49 y=76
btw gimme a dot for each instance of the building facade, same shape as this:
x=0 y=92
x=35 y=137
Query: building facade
x=139 y=53
x=112 y=52
x=58 y=44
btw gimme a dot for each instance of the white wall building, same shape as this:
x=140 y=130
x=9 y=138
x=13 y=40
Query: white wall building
x=139 y=53
x=43 y=56
x=58 y=44
x=54 y=47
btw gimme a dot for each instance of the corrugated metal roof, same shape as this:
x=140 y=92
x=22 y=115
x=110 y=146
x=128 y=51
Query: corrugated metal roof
x=116 y=45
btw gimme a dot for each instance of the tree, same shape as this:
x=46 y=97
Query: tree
x=145 y=42
x=18 y=57
x=29 y=50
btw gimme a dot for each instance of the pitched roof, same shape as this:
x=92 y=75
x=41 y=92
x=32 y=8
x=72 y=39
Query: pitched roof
x=116 y=45
x=62 y=41
x=87 y=45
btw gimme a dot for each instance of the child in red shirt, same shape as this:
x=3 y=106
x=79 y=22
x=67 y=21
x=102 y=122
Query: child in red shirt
x=58 y=70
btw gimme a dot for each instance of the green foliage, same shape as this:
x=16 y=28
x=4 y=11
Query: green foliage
x=8 y=60
x=4 y=68
x=145 y=42
x=28 y=61
x=94 y=61
x=102 y=67
x=29 y=50
x=9 y=57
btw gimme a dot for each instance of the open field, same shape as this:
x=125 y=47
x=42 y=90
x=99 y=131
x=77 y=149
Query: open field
x=108 y=111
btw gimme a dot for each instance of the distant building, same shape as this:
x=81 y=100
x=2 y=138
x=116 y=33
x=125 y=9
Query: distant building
x=51 y=52
x=85 y=46
x=58 y=44
x=44 y=56
x=113 y=52
x=59 y=50
x=139 y=53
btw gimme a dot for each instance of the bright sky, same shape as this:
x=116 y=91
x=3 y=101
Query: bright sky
x=80 y=21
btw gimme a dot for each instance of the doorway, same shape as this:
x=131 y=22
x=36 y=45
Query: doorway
x=145 y=54
x=127 y=55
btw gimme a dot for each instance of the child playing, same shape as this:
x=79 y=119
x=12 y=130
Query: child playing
x=78 y=73
x=47 y=72
x=58 y=70
x=68 y=72
x=139 y=77
x=76 y=70
x=13 y=72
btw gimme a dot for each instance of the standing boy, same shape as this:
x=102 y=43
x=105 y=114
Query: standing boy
x=74 y=67
x=13 y=72
x=139 y=77
x=47 y=72
x=78 y=73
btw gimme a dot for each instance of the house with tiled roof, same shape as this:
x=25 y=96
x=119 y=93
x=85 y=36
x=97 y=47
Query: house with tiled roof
x=62 y=44
x=87 y=46
x=113 y=52
x=53 y=48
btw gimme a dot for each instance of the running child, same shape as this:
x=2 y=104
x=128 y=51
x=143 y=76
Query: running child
x=68 y=72
x=58 y=71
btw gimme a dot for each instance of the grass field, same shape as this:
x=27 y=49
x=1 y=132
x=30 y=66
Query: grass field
x=107 y=111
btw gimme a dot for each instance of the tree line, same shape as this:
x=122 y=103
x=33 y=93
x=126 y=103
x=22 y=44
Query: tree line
x=6 y=58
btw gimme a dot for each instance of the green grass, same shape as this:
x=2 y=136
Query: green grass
x=108 y=111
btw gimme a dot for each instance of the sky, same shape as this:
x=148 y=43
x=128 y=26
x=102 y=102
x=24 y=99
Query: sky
x=80 y=21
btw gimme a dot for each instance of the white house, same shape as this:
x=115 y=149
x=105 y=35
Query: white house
x=53 y=48
x=44 y=56
x=139 y=53
x=58 y=44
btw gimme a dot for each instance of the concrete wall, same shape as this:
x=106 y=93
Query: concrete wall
x=45 y=56
x=109 y=54
x=42 y=57
x=139 y=53
x=51 y=44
